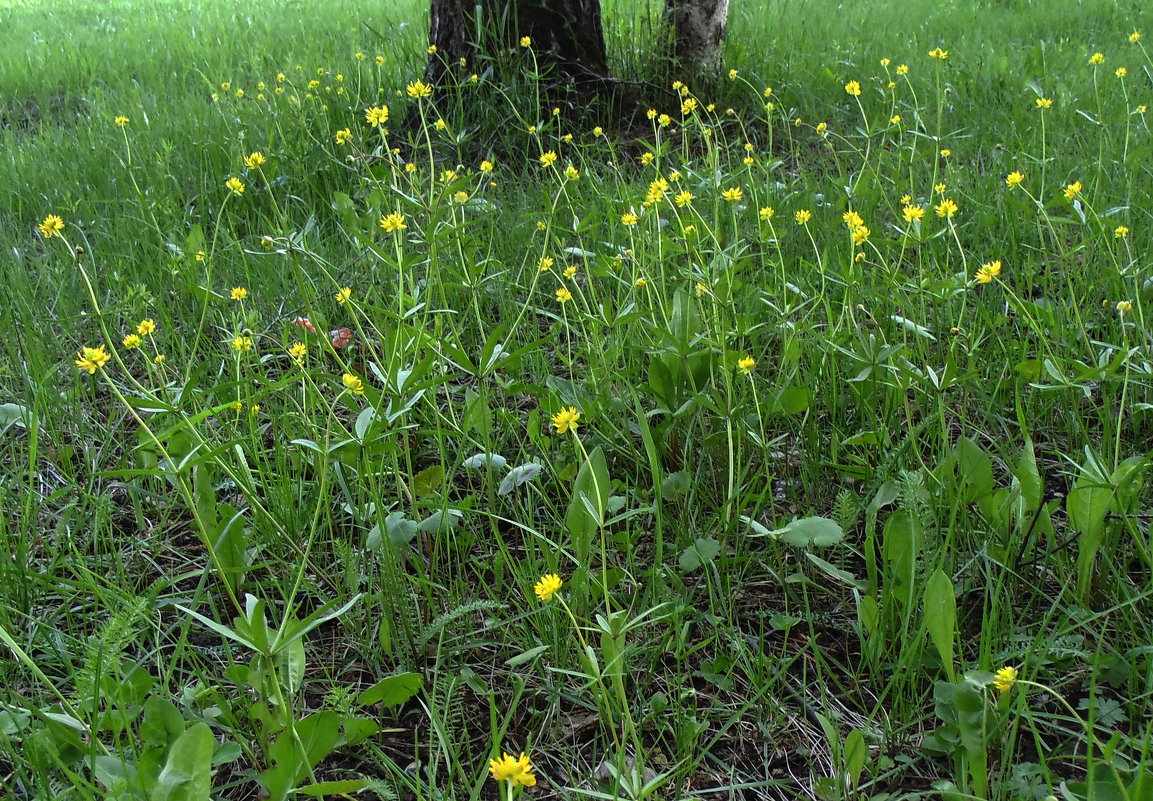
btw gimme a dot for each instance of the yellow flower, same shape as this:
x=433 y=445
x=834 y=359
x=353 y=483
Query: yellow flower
x=733 y=193
x=298 y=350
x=1120 y=232
x=939 y=188
x=545 y=264
x=1005 y=678
x=547 y=587
x=598 y=131
x=822 y=127
x=121 y=121
x=52 y=226
x=946 y=152
x=768 y=91
x=988 y=272
x=566 y=420
x=343 y=295
x=238 y=293
x=460 y=197
x=803 y=216
x=641 y=283
x=747 y=364
x=352 y=383
x=657 y=190
x=159 y=358
x=344 y=136
x=647 y=158
x=767 y=212
x=146 y=327
x=1014 y=179
x=946 y=208
x=254 y=160
x=1072 y=190
x=651 y=113
x=132 y=341
x=683 y=198
x=409 y=167
x=393 y=222
x=571 y=173
x=1121 y=72
x=689 y=106
x=525 y=41
x=280 y=76
x=885 y=62
x=629 y=219
x=486 y=166
x=1142 y=109
x=447 y=176
x=570 y=272
x=236 y=185
x=376 y=115
x=903 y=69
x=440 y=125
x=432 y=50
x=1134 y=37
x=241 y=343
x=418 y=89
x=664 y=120
x=1124 y=306
x=548 y=158
x=853 y=88
x=895 y=119
x=852 y=220
x=939 y=54
x=379 y=61
x=563 y=295
x=91 y=359
x=732 y=75
x=861 y=234
x=518 y=771
x=1097 y=58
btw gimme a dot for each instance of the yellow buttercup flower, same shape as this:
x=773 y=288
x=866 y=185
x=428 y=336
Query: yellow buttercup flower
x=939 y=54
x=525 y=41
x=132 y=341
x=566 y=420
x=418 y=89
x=515 y=771
x=393 y=222
x=1124 y=307
x=803 y=216
x=913 y=214
x=629 y=219
x=903 y=69
x=547 y=587
x=241 y=343
x=1072 y=190
x=343 y=295
x=548 y=158
x=344 y=136
x=298 y=350
x=569 y=272
x=571 y=173
x=238 y=293
x=545 y=264
x=1121 y=72
x=92 y=359
x=733 y=193
x=146 y=327
x=746 y=365
x=853 y=88
x=1005 y=678
x=987 y=272
x=852 y=220
x=683 y=198
x=563 y=295
x=352 y=383
x=1134 y=37
x=235 y=185
x=376 y=115
x=946 y=208
x=121 y=121
x=1097 y=58
x=52 y=226
x=1014 y=179
x=1120 y=232
x=766 y=212
x=254 y=160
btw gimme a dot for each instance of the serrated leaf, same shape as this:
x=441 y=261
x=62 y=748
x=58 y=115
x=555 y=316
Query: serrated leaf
x=427 y=481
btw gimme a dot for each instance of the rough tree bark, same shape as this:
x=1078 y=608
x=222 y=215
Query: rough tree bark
x=566 y=33
x=696 y=30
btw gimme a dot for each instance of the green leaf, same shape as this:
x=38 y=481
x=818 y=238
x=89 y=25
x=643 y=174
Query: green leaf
x=13 y=414
x=809 y=532
x=527 y=656
x=428 y=481
x=702 y=552
x=855 y=751
x=941 y=617
x=187 y=775
x=392 y=690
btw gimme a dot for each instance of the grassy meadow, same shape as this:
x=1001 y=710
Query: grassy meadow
x=784 y=437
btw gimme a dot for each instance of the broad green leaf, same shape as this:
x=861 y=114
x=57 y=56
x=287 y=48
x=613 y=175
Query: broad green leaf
x=702 y=552
x=392 y=690
x=941 y=617
x=809 y=532
x=187 y=775
x=428 y=481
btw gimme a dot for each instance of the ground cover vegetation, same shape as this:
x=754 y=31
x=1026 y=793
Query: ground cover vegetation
x=788 y=440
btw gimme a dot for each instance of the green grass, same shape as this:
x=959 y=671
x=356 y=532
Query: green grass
x=795 y=578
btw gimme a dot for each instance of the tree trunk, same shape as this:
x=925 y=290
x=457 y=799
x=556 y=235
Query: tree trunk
x=566 y=34
x=696 y=30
